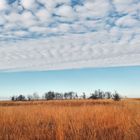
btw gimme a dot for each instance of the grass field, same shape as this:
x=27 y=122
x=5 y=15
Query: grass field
x=70 y=120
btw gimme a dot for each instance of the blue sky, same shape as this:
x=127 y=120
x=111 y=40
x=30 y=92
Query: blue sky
x=123 y=79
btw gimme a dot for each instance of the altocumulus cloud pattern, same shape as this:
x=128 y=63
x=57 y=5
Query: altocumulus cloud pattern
x=62 y=34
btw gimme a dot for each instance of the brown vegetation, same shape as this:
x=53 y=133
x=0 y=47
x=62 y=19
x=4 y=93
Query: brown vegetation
x=70 y=120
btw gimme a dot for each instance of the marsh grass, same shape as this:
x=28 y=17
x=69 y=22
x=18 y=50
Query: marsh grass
x=70 y=120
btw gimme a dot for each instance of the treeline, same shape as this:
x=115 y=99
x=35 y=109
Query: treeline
x=51 y=95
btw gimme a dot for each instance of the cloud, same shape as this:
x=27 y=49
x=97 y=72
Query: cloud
x=3 y=5
x=127 y=21
x=43 y=15
x=60 y=34
x=126 y=6
x=91 y=9
x=64 y=11
x=28 y=4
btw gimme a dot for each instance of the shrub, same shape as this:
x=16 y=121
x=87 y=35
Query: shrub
x=116 y=96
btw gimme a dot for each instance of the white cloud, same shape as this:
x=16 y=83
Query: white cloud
x=91 y=9
x=64 y=11
x=127 y=6
x=27 y=4
x=3 y=5
x=123 y=2
x=71 y=51
x=43 y=15
x=127 y=21
x=13 y=17
x=20 y=33
x=58 y=34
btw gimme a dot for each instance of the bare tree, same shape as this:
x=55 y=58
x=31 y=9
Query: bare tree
x=116 y=96
x=84 y=95
x=49 y=95
x=76 y=96
x=21 y=98
x=30 y=97
x=35 y=96
x=13 y=98
x=58 y=96
x=108 y=95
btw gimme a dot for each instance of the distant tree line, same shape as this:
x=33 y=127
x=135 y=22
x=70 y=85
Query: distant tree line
x=51 y=95
x=98 y=94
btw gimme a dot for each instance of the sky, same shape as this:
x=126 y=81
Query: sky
x=125 y=80
x=44 y=35
x=64 y=34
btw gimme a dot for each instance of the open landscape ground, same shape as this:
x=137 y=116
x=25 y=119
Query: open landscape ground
x=70 y=120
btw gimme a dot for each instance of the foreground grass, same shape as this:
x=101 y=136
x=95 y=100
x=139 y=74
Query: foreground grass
x=70 y=120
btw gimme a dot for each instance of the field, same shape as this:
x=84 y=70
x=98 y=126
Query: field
x=70 y=120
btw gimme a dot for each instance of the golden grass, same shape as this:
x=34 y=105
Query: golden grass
x=70 y=120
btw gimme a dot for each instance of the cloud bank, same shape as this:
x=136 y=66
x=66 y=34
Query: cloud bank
x=65 y=34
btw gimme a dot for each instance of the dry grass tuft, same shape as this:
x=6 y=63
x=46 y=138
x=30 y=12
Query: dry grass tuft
x=70 y=120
